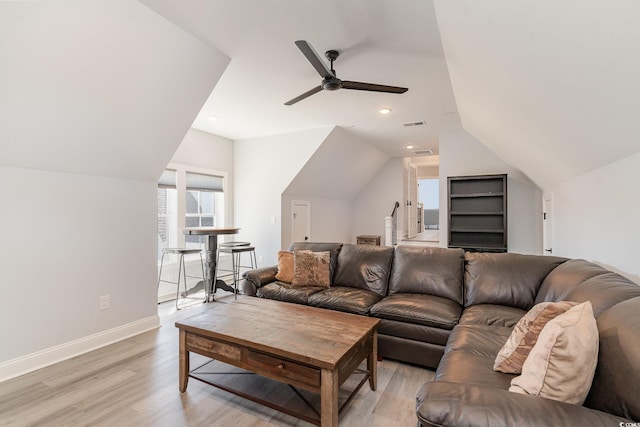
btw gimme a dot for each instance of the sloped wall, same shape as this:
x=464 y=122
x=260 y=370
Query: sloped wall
x=96 y=97
x=263 y=168
x=550 y=87
x=376 y=200
x=331 y=179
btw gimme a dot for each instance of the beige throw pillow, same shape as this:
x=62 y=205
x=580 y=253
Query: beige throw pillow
x=285 y=267
x=311 y=269
x=525 y=334
x=562 y=363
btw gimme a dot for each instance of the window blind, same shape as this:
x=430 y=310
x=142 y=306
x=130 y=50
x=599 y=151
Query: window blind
x=167 y=179
x=202 y=182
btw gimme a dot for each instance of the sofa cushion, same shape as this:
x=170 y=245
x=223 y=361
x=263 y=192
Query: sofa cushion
x=414 y=332
x=604 y=291
x=482 y=340
x=343 y=298
x=427 y=310
x=426 y=270
x=616 y=384
x=562 y=362
x=311 y=269
x=565 y=277
x=471 y=368
x=283 y=291
x=364 y=267
x=505 y=278
x=285 y=267
x=491 y=314
x=525 y=334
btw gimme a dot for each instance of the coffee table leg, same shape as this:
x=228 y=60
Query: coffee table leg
x=184 y=362
x=329 y=398
x=372 y=362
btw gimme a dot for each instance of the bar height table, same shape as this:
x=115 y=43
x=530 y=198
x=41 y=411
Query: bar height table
x=210 y=249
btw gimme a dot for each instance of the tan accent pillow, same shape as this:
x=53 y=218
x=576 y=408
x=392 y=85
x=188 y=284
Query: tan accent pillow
x=562 y=363
x=311 y=269
x=525 y=334
x=285 y=267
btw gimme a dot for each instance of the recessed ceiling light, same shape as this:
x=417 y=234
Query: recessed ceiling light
x=409 y=147
x=213 y=118
x=384 y=111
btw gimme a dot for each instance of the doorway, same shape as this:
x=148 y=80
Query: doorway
x=300 y=221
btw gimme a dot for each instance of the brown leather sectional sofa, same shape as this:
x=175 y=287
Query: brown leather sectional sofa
x=453 y=311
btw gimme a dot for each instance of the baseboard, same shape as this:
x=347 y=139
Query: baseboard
x=34 y=361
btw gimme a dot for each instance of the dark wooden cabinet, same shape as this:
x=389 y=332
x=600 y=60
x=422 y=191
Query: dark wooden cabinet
x=478 y=212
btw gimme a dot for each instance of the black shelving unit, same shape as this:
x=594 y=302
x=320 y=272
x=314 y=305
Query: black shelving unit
x=478 y=212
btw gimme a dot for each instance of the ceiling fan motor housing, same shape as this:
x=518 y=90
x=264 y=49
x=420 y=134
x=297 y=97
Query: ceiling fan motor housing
x=331 y=83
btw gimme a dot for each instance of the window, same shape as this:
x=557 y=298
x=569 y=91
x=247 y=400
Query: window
x=201 y=205
x=167 y=211
x=187 y=197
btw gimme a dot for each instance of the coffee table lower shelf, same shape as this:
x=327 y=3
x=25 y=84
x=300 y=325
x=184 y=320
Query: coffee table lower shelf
x=282 y=397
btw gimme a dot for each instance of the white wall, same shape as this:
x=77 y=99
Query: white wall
x=331 y=179
x=93 y=109
x=461 y=154
x=330 y=219
x=597 y=217
x=376 y=200
x=67 y=240
x=263 y=168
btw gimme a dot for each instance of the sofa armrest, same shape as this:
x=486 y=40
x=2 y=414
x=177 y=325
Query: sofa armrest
x=442 y=403
x=253 y=279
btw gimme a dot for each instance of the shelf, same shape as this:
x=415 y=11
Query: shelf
x=491 y=194
x=478 y=212
x=485 y=213
x=480 y=248
x=476 y=230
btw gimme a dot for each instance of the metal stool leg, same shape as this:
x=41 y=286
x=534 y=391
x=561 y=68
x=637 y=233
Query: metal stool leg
x=204 y=282
x=160 y=272
x=180 y=267
x=236 y=263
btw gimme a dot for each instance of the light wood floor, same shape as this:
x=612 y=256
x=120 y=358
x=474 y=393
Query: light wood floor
x=135 y=383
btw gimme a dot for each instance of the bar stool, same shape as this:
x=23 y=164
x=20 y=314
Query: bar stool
x=236 y=249
x=181 y=269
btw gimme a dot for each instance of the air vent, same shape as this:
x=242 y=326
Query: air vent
x=410 y=124
x=426 y=152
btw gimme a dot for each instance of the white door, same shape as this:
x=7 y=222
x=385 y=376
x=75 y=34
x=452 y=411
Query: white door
x=300 y=220
x=412 y=202
x=547 y=224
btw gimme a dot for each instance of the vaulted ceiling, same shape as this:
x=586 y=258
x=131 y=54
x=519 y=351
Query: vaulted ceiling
x=383 y=41
x=550 y=87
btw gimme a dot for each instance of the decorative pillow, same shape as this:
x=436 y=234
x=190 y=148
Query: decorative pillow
x=285 y=267
x=525 y=334
x=311 y=269
x=562 y=363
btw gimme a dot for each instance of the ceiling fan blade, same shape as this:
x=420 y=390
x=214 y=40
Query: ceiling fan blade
x=373 y=87
x=304 y=95
x=314 y=58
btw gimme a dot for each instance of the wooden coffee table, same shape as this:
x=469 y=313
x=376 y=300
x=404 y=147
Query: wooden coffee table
x=308 y=348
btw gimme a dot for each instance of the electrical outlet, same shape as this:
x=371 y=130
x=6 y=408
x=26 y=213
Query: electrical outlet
x=105 y=302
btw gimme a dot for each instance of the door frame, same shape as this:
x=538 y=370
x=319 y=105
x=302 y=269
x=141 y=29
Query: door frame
x=308 y=205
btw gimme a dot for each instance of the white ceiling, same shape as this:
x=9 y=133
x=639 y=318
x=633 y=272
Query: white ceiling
x=383 y=41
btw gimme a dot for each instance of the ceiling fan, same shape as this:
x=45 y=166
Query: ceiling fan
x=329 y=79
